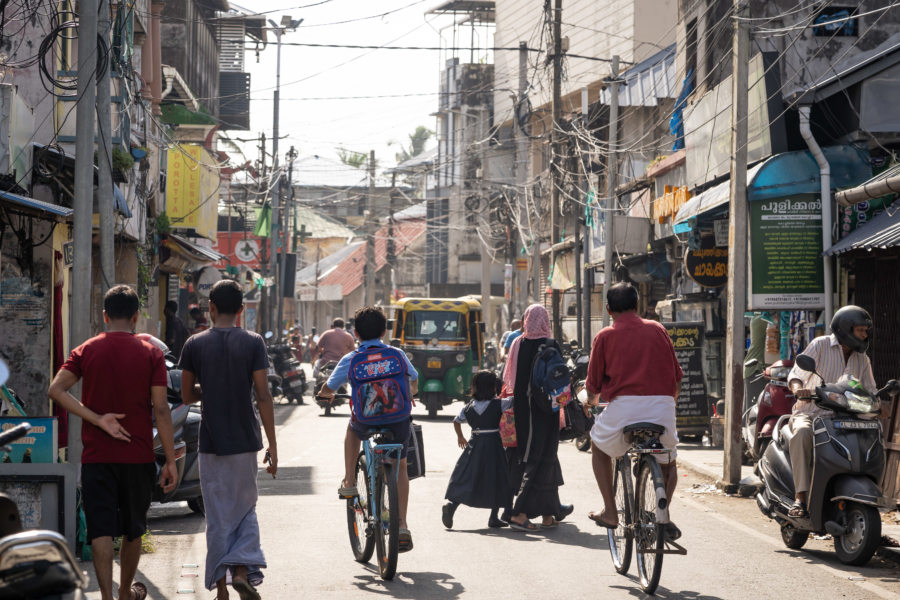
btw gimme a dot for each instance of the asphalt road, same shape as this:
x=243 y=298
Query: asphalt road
x=733 y=552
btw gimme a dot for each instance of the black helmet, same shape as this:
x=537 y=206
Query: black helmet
x=845 y=320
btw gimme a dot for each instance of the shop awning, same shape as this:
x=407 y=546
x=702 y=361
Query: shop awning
x=197 y=253
x=880 y=233
x=37 y=208
x=886 y=182
x=785 y=174
x=180 y=253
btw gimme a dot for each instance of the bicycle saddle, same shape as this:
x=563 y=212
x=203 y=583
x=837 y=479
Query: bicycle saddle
x=652 y=427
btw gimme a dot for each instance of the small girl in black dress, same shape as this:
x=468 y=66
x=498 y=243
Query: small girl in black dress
x=481 y=476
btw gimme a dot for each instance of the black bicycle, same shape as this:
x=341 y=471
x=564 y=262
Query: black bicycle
x=643 y=510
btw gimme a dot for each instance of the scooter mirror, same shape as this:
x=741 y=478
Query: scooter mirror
x=807 y=363
x=268 y=335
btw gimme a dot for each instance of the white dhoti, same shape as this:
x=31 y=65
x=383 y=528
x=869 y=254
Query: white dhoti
x=607 y=432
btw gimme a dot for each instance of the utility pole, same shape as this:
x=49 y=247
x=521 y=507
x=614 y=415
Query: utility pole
x=612 y=202
x=576 y=250
x=264 y=314
x=276 y=197
x=487 y=315
x=737 y=251
x=555 y=166
x=586 y=273
x=104 y=163
x=371 y=224
x=285 y=241
x=80 y=322
x=520 y=279
x=391 y=249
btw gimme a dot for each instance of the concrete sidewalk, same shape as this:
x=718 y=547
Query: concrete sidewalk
x=709 y=462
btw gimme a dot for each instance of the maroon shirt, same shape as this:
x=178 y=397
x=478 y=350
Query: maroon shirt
x=632 y=357
x=117 y=371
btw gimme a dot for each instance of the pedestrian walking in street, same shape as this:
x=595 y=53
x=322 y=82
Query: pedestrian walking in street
x=481 y=476
x=537 y=429
x=176 y=331
x=123 y=389
x=633 y=366
x=230 y=363
x=383 y=398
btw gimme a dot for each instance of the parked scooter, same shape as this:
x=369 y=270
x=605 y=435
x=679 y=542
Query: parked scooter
x=35 y=564
x=844 y=496
x=321 y=378
x=186 y=426
x=775 y=400
x=293 y=377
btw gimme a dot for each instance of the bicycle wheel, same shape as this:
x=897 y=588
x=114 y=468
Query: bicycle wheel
x=362 y=542
x=648 y=532
x=620 y=538
x=387 y=525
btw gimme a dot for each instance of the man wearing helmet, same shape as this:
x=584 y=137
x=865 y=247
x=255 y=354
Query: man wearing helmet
x=843 y=353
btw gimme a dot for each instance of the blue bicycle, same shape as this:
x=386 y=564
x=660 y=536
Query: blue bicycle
x=373 y=515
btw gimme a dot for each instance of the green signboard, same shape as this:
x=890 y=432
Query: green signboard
x=786 y=270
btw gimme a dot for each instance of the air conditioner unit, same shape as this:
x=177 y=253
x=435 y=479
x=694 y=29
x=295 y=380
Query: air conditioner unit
x=675 y=252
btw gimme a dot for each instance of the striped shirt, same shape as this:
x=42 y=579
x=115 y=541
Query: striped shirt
x=830 y=364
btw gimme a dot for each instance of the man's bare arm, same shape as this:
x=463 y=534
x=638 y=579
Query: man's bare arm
x=59 y=393
x=266 y=415
x=190 y=392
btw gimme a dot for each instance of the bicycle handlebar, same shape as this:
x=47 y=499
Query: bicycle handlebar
x=14 y=433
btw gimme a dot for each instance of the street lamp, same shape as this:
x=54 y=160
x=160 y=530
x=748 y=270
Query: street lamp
x=287 y=24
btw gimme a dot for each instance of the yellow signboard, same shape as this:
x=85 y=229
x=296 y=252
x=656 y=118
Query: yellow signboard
x=192 y=190
x=668 y=204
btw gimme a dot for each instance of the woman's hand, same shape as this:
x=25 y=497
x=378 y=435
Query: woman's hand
x=461 y=442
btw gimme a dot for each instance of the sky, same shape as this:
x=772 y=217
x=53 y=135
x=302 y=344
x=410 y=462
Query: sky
x=321 y=106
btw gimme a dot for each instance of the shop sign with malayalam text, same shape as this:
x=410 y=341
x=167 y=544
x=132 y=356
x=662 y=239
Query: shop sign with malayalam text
x=707 y=265
x=786 y=271
x=693 y=404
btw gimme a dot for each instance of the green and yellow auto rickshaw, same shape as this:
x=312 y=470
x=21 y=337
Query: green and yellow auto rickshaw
x=444 y=340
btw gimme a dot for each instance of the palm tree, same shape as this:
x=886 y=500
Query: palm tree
x=357 y=160
x=417 y=141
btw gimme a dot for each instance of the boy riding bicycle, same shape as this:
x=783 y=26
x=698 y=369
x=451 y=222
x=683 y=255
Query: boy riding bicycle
x=392 y=413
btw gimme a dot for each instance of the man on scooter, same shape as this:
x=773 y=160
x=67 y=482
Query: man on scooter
x=841 y=354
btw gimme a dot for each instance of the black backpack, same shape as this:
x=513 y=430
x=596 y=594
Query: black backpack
x=549 y=375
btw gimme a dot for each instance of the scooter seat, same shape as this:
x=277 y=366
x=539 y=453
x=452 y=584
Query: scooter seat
x=652 y=427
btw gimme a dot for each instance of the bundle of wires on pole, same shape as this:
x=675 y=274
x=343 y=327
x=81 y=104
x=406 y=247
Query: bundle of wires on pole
x=67 y=31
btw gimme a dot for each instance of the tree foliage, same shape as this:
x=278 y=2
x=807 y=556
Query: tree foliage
x=357 y=160
x=417 y=141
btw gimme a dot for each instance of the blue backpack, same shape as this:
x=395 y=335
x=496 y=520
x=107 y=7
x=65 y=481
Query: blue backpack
x=550 y=380
x=380 y=391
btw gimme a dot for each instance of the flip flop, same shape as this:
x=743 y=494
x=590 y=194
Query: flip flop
x=553 y=523
x=139 y=590
x=404 y=539
x=348 y=492
x=245 y=590
x=526 y=526
x=595 y=517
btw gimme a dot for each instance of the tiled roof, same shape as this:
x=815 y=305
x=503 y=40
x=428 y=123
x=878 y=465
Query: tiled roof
x=349 y=273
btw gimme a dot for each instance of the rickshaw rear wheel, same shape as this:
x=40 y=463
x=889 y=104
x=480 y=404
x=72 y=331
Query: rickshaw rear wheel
x=433 y=401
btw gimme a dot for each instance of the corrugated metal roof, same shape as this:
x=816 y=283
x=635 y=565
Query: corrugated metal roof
x=318 y=171
x=648 y=81
x=349 y=273
x=319 y=226
x=880 y=233
x=307 y=275
x=38 y=207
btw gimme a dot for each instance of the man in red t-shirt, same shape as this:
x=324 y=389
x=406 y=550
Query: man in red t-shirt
x=124 y=378
x=633 y=366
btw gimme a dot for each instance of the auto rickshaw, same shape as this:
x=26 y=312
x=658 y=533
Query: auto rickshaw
x=444 y=340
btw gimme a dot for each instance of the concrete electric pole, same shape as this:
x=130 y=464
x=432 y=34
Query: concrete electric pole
x=555 y=163
x=371 y=225
x=104 y=164
x=612 y=170
x=737 y=250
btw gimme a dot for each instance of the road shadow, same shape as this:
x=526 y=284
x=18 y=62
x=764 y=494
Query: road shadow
x=283 y=412
x=662 y=591
x=409 y=584
x=291 y=481
x=566 y=534
x=877 y=569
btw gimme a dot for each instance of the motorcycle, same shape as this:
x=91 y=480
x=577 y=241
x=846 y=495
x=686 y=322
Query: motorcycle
x=775 y=400
x=287 y=367
x=37 y=563
x=491 y=356
x=844 y=496
x=577 y=361
x=186 y=426
x=321 y=378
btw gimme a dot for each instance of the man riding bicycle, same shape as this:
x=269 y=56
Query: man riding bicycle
x=633 y=366
x=370 y=325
